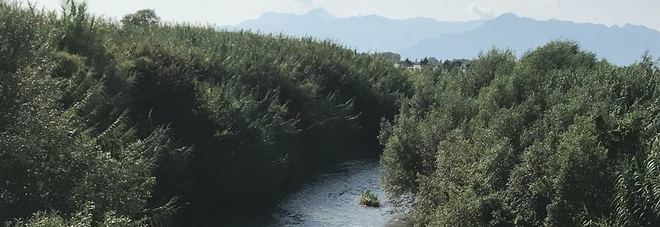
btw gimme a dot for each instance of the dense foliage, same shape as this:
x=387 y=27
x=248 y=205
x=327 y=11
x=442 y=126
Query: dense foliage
x=369 y=199
x=555 y=138
x=141 y=122
x=145 y=123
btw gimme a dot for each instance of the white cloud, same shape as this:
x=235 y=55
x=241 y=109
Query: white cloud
x=483 y=13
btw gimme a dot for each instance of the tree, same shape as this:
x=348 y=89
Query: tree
x=424 y=62
x=555 y=138
x=407 y=62
x=390 y=56
x=433 y=61
x=145 y=17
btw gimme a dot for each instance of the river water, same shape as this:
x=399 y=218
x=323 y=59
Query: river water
x=332 y=200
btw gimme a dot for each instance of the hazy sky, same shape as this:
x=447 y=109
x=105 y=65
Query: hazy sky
x=227 y=12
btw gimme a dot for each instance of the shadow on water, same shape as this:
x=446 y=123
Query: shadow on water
x=331 y=199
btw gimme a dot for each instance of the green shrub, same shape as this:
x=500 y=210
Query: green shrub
x=67 y=65
x=130 y=117
x=555 y=138
x=369 y=199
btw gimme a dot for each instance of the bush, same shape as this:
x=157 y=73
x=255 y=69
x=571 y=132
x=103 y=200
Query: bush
x=555 y=138
x=131 y=117
x=66 y=65
x=369 y=199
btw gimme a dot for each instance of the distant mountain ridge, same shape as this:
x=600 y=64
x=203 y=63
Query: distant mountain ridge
x=422 y=37
x=620 y=45
x=364 y=33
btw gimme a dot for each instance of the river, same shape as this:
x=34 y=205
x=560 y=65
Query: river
x=332 y=200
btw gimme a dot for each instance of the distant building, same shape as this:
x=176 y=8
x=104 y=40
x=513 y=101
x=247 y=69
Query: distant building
x=413 y=67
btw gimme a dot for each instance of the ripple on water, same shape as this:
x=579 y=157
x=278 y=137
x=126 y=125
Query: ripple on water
x=332 y=200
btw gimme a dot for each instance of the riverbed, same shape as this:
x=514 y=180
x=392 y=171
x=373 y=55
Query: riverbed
x=332 y=200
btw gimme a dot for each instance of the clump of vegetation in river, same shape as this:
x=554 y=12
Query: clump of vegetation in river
x=369 y=199
x=152 y=123
x=555 y=138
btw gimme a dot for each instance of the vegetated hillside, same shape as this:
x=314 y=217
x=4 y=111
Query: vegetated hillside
x=555 y=138
x=143 y=123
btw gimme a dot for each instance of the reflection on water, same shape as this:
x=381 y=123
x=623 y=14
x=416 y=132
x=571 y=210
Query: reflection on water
x=332 y=200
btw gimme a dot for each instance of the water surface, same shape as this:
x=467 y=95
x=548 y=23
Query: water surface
x=332 y=199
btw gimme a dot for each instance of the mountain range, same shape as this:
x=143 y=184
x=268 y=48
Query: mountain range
x=426 y=37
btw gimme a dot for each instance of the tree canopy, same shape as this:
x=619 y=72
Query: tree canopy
x=150 y=123
x=555 y=138
x=142 y=123
x=145 y=17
